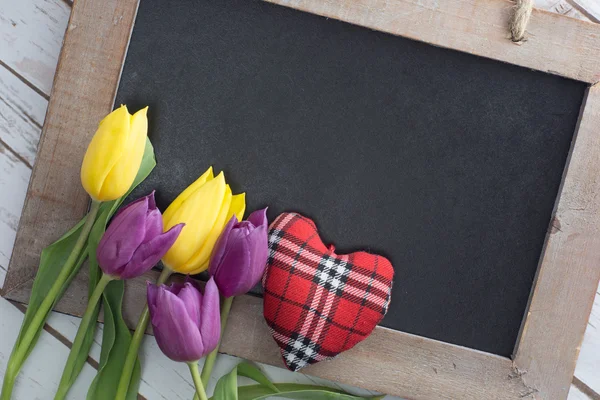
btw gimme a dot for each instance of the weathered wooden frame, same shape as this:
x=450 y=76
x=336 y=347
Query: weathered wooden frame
x=388 y=361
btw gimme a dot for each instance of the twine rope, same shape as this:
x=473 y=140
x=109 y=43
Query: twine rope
x=520 y=18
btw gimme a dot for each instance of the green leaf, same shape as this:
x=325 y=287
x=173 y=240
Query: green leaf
x=98 y=228
x=253 y=372
x=51 y=259
x=57 y=252
x=115 y=342
x=295 y=391
x=226 y=388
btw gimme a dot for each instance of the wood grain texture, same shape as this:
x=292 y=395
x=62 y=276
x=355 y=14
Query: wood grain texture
x=31 y=35
x=569 y=270
x=41 y=373
x=554 y=44
x=83 y=92
x=22 y=112
x=14 y=175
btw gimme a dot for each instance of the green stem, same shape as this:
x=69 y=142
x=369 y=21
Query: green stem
x=136 y=341
x=7 y=385
x=200 y=392
x=69 y=373
x=20 y=352
x=209 y=362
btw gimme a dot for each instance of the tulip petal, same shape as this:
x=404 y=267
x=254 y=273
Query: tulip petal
x=210 y=325
x=152 y=201
x=258 y=217
x=133 y=203
x=234 y=265
x=149 y=254
x=183 y=196
x=175 y=287
x=105 y=151
x=221 y=246
x=122 y=238
x=154 y=224
x=201 y=258
x=176 y=333
x=124 y=171
x=244 y=260
x=258 y=240
x=192 y=299
x=151 y=296
x=151 y=292
x=199 y=212
x=238 y=206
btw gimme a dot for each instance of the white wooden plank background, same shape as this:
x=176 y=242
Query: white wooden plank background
x=31 y=33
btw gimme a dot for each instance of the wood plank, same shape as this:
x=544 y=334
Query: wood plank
x=562 y=7
x=22 y=112
x=388 y=361
x=391 y=362
x=557 y=45
x=569 y=271
x=84 y=90
x=584 y=389
x=588 y=364
x=576 y=394
x=14 y=176
x=590 y=8
x=31 y=35
x=40 y=375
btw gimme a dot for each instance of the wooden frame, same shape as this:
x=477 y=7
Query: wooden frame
x=389 y=361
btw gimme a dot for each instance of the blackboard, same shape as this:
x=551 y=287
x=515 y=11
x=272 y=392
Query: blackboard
x=447 y=163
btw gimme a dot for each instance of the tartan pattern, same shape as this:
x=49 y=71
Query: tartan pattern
x=317 y=303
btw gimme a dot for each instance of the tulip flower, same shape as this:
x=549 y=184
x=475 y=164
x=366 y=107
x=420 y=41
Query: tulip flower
x=133 y=243
x=205 y=207
x=114 y=155
x=240 y=255
x=186 y=323
x=237 y=264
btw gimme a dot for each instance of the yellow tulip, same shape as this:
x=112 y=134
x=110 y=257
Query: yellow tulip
x=204 y=207
x=114 y=155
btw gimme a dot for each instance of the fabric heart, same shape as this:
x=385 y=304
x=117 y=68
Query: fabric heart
x=318 y=303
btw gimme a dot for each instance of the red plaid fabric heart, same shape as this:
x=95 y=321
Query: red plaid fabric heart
x=318 y=303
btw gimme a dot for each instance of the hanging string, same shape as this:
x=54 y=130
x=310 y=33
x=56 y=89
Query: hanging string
x=520 y=18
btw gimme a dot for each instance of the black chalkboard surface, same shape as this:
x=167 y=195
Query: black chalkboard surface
x=447 y=163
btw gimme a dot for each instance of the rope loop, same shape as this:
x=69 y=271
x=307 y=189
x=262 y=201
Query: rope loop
x=519 y=19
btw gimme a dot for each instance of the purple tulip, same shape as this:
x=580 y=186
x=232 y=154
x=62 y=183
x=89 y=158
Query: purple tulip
x=240 y=255
x=186 y=323
x=134 y=242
